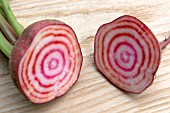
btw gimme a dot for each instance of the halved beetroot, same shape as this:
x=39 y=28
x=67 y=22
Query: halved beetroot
x=127 y=53
x=46 y=60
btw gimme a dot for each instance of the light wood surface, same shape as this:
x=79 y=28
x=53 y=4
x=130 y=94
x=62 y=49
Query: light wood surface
x=93 y=93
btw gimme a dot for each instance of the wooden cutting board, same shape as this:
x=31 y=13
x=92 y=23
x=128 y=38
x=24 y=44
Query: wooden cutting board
x=93 y=93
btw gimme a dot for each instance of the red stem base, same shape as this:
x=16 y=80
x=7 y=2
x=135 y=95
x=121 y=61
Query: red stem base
x=165 y=42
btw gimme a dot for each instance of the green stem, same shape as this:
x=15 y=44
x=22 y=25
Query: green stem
x=7 y=30
x=18 y=28
x=5 y=46
x=2 y=12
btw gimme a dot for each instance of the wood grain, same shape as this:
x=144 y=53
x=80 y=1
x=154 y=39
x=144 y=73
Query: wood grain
x=92 y=93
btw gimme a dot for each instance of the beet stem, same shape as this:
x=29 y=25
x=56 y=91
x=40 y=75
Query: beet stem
x=165 y=42
x=18 y=28
x=2 y=12
x=7 y=30
x=5 y=46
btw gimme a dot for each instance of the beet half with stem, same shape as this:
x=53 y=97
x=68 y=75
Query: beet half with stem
x=45 y=58
x=127 y=53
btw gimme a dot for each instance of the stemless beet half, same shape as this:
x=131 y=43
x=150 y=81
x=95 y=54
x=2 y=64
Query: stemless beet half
x=46 y=60
x=127 y=53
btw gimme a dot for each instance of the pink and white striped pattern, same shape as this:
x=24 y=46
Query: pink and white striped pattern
x=51 y=65
x=127 y=53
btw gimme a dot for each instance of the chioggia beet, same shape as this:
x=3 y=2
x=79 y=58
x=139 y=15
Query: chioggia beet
x=46 y=60
x=127 y=53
